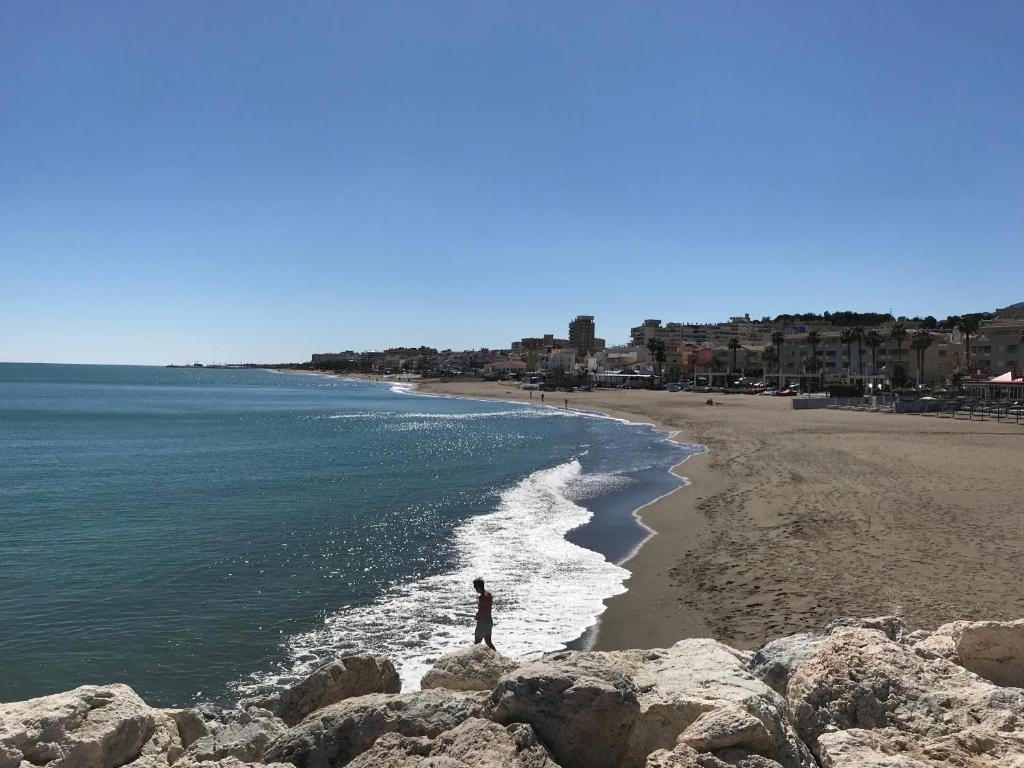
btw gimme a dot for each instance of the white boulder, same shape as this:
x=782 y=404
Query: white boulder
x=333 y=682
x=917 y=708
x=473 y=668
x=473 y=744
x=163 y=747
x=727 y=727
x=245 y=738
x=94 y=726
x=775 y=661
x=700 y=677
x=684 y=756
x=991 y=649
x=334 y=735
x=613 y=709
x=582 y=706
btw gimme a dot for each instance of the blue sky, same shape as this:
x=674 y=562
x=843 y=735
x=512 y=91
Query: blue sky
x=259 y=181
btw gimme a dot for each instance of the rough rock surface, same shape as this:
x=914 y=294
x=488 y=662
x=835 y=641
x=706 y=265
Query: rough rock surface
x=473 y=744
x=727 y=728
x=699 y=676
x=603 y=710
x=683 y=756
x=926 y=710
x=334 y=735
x=990 y=649
x=473 y=668
x=245 y=738
x=775 y=661
x=95 y=726
x=333 y=682
x=191 y=724
x=893 y=627
x=234 y=762
x=860 y=693
x=581 y=705
x=883 y=748
x=163 y=747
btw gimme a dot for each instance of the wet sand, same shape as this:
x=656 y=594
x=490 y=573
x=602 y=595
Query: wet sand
x=796 y=517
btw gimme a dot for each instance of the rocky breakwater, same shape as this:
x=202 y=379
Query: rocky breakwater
x=860 y=692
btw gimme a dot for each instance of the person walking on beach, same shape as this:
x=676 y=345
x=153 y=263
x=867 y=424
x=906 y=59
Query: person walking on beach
x=567 y=403
x=484 y=622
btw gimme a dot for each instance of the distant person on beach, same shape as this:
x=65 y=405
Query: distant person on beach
x=484 y=622
x=542 y=397
x=566 y=403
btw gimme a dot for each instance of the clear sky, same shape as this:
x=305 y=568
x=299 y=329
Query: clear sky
x=230 y=181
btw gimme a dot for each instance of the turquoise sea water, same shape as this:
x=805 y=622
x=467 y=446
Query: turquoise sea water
x=203 y=534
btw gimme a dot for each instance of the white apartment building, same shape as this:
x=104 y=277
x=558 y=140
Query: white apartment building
x=838 y=362
x=996 y=347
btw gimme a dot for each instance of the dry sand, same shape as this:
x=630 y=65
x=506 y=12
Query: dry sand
x=796 y=517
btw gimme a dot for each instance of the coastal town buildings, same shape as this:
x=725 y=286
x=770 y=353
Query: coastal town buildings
x=840 y=360
x=334 y=359
x=676 y=334
x=807 y=348
x=996 y=345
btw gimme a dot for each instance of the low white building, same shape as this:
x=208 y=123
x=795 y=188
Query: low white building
x=504 y=366
x=557 y=358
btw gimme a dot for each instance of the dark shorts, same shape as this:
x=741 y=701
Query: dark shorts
x=483 y=629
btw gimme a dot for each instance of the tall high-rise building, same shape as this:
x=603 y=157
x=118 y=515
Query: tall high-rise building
x=581 y=334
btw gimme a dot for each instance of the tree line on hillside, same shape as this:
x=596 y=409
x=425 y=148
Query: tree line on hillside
x=849 y=318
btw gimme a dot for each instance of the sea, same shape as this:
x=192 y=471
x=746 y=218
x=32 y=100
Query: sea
x=208 y=534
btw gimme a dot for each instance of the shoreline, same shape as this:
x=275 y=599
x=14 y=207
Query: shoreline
x=793 y=517
x=619 y=634
x=598 y=636
x=632 y=510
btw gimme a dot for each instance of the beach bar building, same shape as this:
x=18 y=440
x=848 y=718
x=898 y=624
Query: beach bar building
x=1004 y=387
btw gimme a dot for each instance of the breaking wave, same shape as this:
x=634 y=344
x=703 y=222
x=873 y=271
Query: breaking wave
x=547 y=591
x=520 y=413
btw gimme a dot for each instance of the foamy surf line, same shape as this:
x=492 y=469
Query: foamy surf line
x=548 y=591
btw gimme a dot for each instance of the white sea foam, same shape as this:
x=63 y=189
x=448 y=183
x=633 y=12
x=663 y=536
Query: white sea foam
x=547 y=591
x=519 y=413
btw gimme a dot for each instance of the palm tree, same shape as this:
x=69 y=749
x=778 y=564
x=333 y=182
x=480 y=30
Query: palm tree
x=734 y=346
x=873 y=339
x=919 y=343
x=778 y=338
x=814 y=339
x=967 y=325
x=657 y=349
x=858 y=335
x=769 y=356
x=899 y=333
x=846 y=337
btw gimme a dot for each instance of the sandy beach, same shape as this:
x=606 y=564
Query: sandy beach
x=795 y=517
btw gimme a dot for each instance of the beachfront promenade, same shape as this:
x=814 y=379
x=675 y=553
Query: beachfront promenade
x=795 y=517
